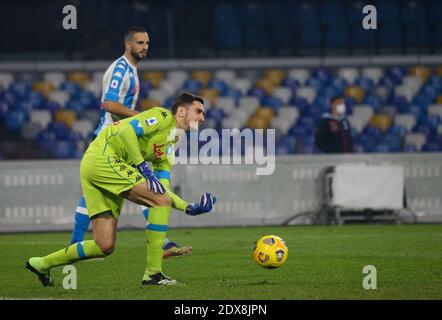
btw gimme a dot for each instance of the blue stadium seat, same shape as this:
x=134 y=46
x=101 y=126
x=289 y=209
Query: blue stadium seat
x=229 y=38
x=307 y=13
x=401 y=104
x=332 y=12
x=397 y=130
x=434 y=11
x=72 y=88
x=235 y=94
x=76 y=106
x=256 y=38
x=282 y=38
x=63 y=150
x=74 y=137
x=413 y=11
x=435 y=82
x=252 y=15
x=323 y=74
x=216 y=114
x=37 y=100
x=365 y=83
x=329 y=92
x=53 y=107
x=47 y=140
x=25 y=106
x=169 y=102
x=60 y=130
x=256 y=92
x=219 y=85
x=361 y=38
x=272 y=102
x=301 y=103
x=307 y=122
x=299 y=131
x=4 y=109
x=226 y=14
x=193 y=86
x=315 y=83
x=388 y=11
x=290 y=83
x=382 y=148
x=145 y=87
x=336 y=36
x=431 y=147
x=418 y=34
x=354 y=11
x=340 y=84
x=390 y=35
x=286 y=145
x=20 y=89
x=283 y=13
x=373 y=101
x=373 y=132
x=14 y=120
x=88 y=100
x=396 y=73
x=310 y=36
x=438 y=34
x=410 y=148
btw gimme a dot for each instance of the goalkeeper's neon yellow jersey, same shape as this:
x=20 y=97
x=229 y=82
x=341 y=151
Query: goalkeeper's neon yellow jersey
x=148 y=136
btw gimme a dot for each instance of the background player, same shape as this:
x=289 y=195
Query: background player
x=118 y=101
x=108 y=176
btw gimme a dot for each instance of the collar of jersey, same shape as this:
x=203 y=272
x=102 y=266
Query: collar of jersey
x=127 y=60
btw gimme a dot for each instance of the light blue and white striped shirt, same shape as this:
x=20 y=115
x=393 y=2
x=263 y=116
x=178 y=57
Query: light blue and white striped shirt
x=120 y=84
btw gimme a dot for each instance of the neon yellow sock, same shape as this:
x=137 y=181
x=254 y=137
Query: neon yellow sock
x=78 y=251
x=156 y=233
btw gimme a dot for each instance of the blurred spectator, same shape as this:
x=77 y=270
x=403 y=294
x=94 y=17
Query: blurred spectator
x=333 y=134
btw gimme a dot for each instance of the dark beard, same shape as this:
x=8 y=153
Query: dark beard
x=135 y=56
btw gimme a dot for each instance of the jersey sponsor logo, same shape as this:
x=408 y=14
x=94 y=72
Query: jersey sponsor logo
x=157 y=152
x=151 y=121
x=169 y=150
x=170 y=154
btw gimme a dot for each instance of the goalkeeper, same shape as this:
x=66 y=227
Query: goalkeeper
x=108 y=177
x=120 y=94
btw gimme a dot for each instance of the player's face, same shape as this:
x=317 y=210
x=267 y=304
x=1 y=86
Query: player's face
x=139 y=45
x=195 y=115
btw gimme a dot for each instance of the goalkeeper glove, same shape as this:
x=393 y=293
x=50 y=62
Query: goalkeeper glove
x=152 y=182
x=205 y=205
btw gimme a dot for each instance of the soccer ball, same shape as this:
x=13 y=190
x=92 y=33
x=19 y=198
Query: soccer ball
x=270 y=252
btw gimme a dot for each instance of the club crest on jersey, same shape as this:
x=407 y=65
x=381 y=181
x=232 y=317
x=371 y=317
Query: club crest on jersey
x=151 y=121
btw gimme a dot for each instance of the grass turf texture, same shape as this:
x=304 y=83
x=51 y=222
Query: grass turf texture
x=323 y=263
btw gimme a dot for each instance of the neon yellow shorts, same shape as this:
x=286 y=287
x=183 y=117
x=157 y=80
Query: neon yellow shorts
x=103 y=179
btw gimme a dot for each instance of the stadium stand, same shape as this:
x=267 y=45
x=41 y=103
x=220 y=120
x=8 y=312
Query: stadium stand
x=393 y=109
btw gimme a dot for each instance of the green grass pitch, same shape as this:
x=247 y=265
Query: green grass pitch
x=324 y=263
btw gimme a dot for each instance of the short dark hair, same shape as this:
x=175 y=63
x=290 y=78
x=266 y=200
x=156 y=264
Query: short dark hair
x=333 y=99
x=131 y=31
x=185 y=99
